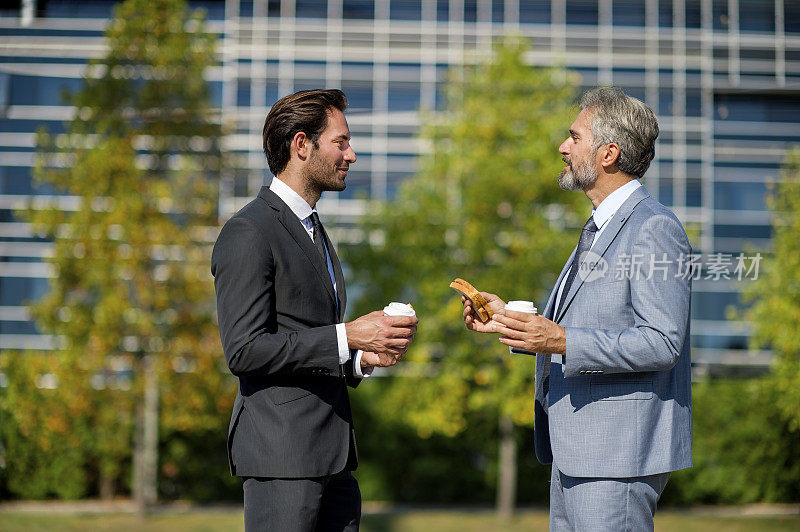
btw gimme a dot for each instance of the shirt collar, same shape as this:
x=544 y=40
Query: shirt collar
x=609 y=206
x=295 y=201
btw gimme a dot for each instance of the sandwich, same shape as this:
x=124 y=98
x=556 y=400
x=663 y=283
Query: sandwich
x=479 y=303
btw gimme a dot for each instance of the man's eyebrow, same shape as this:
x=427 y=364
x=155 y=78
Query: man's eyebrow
x=344 y=136
x=572 y=133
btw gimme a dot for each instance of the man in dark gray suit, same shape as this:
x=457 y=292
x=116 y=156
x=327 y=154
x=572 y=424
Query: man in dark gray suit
x=613 y=404
x=280 y=300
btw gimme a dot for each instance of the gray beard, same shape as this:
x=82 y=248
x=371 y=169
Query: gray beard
x=579 y=178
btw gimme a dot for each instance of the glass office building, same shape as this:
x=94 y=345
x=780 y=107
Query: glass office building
x=722 y=75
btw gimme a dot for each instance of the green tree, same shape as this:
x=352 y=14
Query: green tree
x=131 y=286
x=484 y=206
x=776 y=293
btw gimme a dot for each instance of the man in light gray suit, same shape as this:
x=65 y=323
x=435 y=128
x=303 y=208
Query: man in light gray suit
x=612 y=406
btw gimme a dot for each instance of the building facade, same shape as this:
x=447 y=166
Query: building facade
x=722 y=75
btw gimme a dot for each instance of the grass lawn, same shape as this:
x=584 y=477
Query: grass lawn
x=411 y=521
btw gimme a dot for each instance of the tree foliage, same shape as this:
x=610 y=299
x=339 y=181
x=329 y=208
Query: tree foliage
x=484 y=206
x=137 y=169
x=776 y=293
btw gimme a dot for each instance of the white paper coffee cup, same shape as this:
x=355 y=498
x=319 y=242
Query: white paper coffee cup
x=522 y=306
x=399 y=309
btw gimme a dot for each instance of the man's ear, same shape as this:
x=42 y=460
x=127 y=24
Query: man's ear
x=301 y=145
x=609 y=154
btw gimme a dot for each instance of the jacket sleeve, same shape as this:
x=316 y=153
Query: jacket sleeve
x=660 y=302
x=244 y=279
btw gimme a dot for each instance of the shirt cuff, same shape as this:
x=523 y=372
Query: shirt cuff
x=358 y=371
x=341 y=339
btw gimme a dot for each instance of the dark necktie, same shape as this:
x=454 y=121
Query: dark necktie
x=319 y=240
x=587 y=236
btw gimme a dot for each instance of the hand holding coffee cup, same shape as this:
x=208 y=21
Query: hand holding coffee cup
x=520 y=306
x=384 y=333
x=525 y=332
x=382 y=337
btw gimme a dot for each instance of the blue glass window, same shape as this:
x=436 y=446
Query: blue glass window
x=405 y=10
x=582 y=12
x=73 y=9
x=17 y=291
x=215 y=93
x=41 y=90
x=246 y=8
x=721 y=20
x=403 y=96
x=215 y=10
x=714 y=305
x=30 y=126
x=737 y=196
x=693 y=11
x=665 y=15
x=665 y=107
x=665 y=187
x=757 y=15
x=15 y=180
x=742 y=231
x=359 y=95
x=442 y=10
x=694 y=192
x=243 y=93
x=18 y=327
x=498 y=10
x=274 y=8
x=694 y=102
x=358 y=9
x=757 y=107
x=791 y=17
x=719 y=341
x=272 y=91
x=470 y=10
x=629 y=13
x=534 y=11
x=665 y=191
x=311 y=8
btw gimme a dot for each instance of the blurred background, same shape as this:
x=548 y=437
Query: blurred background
x=129 y=132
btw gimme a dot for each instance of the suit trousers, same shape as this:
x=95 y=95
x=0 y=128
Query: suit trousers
x=324 y=504
x=603 y=504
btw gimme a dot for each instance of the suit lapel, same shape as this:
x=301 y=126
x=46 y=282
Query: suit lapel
x=337 y=273
x=600 y=247
x=292 y=224
x=551 y=301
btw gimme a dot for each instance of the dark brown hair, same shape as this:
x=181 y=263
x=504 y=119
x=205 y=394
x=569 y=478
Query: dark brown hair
x=305 y=111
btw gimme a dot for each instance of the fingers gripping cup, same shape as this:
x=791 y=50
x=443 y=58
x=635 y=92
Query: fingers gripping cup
x=392 y=309
x=399 y=309
x=521 y=306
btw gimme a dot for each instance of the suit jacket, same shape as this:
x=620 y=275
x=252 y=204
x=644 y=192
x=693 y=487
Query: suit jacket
x=620 y=406
x=277 y=314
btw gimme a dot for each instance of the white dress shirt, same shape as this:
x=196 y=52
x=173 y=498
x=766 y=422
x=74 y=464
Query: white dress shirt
x=303 y=211
x=602 y=214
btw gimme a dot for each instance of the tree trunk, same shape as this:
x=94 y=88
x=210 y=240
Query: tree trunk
x=107 y=488
x=146 y=439
x=507 y=470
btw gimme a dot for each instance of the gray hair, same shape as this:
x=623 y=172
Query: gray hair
x=625 y=121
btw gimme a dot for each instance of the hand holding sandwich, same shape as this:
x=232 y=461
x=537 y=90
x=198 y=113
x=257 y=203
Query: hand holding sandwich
x=521 y=330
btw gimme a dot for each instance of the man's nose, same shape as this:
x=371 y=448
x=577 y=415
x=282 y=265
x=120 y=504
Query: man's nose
x=350 y=155
x=564 y=148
